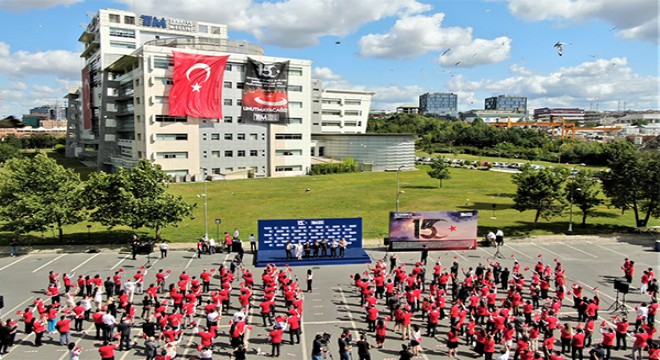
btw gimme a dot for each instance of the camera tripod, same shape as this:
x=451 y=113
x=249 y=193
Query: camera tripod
x=619 y=306
x=148 y=264
x=326 y=353
x=498 y=254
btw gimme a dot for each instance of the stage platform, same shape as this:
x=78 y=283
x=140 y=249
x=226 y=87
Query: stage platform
x=278 y=257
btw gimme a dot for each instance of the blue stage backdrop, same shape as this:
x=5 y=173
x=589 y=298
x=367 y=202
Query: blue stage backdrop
x=274 y=234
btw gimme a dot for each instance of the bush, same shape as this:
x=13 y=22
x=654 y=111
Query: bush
x=348 y=165
x=60 y=149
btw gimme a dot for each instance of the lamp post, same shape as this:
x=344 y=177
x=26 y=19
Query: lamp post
x=89 y=233
x=398 y=186
x=206 y=206
x=570 y=218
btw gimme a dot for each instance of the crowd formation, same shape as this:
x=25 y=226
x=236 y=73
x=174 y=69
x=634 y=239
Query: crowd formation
x=493 y=311
x=490 y=311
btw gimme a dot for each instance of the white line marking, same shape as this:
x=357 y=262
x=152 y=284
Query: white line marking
x=576 y=249
x=486 y=251
x=459 y=255
x=85 y=262
x=545 y=249
x=518 y=251
x=15 y=262
x=190 y=261
x=48 y=263
x=119 y=262
x=11 y=311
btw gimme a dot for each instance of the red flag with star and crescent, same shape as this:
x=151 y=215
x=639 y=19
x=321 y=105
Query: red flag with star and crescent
x=197 y=89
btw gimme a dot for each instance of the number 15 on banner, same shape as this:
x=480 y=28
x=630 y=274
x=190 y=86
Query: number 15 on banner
x=430 y=229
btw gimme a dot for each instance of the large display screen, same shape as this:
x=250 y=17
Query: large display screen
x=441 y=230
x=274 y=234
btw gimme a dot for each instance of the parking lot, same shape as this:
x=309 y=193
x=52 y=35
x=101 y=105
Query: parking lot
x=332 y=306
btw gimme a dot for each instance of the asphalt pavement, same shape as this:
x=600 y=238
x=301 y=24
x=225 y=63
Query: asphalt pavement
x=332 y=306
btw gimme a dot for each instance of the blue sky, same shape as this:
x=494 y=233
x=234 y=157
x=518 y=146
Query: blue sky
x=396 y=48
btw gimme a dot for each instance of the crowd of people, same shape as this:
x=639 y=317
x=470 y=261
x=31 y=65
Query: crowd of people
x=494 y=310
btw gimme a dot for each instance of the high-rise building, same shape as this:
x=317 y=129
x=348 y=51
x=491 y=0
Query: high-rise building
x=438 y=104
x=128 y=76
x=517 y=104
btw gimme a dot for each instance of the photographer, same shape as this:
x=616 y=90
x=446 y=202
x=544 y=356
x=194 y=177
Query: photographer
x=363 y=348
x=318 y=347
x=345 y=347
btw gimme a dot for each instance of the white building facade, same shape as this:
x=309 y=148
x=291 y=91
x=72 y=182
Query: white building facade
x=129 y=62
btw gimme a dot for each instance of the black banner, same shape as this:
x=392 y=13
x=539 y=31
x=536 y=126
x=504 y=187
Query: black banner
x=265 y=99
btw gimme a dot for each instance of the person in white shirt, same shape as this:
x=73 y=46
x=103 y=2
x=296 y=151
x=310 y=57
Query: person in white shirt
x=163 y=250
x=211 y=246
x=109 y=323
x=499 y=237
x=129 y=288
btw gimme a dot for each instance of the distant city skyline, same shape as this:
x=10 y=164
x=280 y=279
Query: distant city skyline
x=399 y=49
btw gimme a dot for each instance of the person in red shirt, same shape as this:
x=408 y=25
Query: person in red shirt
x=275 y=340
x=608 y=340
x=452 y=342
x=641 y=338
x=39 y=329
x=206 y=338
x=293 y=322
x=489 y=347
x=381 y=331
x=621 y=332
x=578 y=344
x=107 y=351
x=372 y=316
x=64 y=328
x=432 y=321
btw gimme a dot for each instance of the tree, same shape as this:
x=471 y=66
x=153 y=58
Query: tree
x=439 y=170
x=8 y=152
x=539 y=190
x=633 y=180
x=37 y=193
x=584 y=192
x=135 y=198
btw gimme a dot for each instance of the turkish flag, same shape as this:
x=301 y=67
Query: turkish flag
x=197 y=89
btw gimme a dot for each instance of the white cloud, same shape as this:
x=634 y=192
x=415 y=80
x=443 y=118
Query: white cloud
x=324 y=74
x=22 y=5
x=20 y=64
x=414 y=35
x=608 y=80
x=633 y=19
x=286 y=23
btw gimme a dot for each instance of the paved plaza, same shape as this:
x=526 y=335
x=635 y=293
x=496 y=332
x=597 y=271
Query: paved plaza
x=334 y=303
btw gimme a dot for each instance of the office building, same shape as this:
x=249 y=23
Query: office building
x=438 y=104
x=516 y=104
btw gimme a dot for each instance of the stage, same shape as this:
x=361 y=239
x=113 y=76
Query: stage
x=278 y=257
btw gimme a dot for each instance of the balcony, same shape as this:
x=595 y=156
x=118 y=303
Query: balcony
x=117 y=161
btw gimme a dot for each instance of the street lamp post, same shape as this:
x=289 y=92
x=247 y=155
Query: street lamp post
x=206 y=206
x=217 y=228
x=398 y=186
x=570 y=218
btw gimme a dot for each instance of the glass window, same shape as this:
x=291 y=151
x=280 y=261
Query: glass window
x=239 y=102
x=203 y=29
x=130 y=20
x=215 y=154
x=114 y=18
x=295 y=120
x=166 y=118
x=240 y=85
x=172 y=155
x=228 y=136
x=229 y=153
x=228 y=119
x=227 y=102
x=295 y=71
x=288 y=168
x=254 y=153
x=240 y=136
x=295 y=105
x=122 y=45
x=288 y=152
x=240 y=153
x=126 y=33
x=215 y=136
x=288 y=136
x=254 y=136
x=226 y=84
x=294 y=88
x=171 y=137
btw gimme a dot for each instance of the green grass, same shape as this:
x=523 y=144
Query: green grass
x=368 y=195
